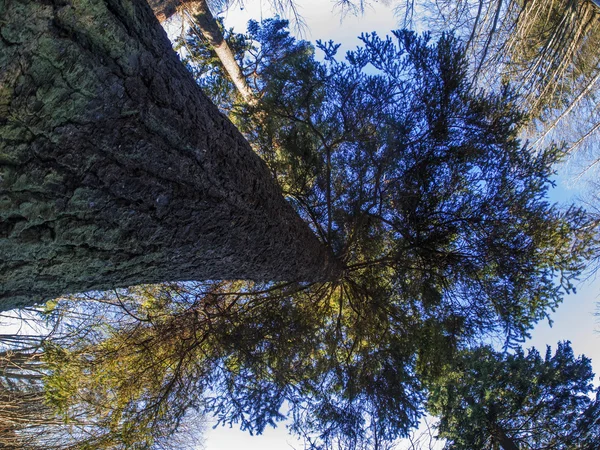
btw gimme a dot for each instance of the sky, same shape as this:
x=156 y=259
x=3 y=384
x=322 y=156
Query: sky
x=574 y=320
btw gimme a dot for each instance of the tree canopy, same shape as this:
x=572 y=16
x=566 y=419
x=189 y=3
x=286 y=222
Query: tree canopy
x=517 y=400
x=546 y=48
x=400 y=165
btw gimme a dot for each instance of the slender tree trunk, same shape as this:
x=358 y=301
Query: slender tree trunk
x=204 y=19
x=164 y=9
x=116 y=170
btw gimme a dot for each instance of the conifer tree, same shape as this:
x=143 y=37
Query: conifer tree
x=517 y=400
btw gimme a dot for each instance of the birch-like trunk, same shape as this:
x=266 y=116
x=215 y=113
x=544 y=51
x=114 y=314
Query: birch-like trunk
x=202 y=16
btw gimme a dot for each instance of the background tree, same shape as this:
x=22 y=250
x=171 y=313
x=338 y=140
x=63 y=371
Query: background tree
x=23 y=411
x=202 y=18
x=519 y=400
x=31 y=400
x=546 y=48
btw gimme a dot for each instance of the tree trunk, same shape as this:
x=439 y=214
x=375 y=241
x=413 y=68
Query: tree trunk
x=505 y=442
x=164 y=9
x=204 y=19
x=116 y=170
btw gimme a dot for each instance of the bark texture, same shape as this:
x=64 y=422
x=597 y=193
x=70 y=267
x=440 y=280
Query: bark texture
x=115 y=169
x=505 y=442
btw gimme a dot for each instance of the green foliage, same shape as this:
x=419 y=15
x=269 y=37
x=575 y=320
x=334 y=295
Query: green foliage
x=130 y=376
x=399 y=164
x=547 y=49
x=491 y=398
x=422 y=188
x=89 y=381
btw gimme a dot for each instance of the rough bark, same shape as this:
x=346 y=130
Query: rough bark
x=116 y=170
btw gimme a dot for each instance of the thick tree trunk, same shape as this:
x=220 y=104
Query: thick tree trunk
x=116 y=170
x=164 y=9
